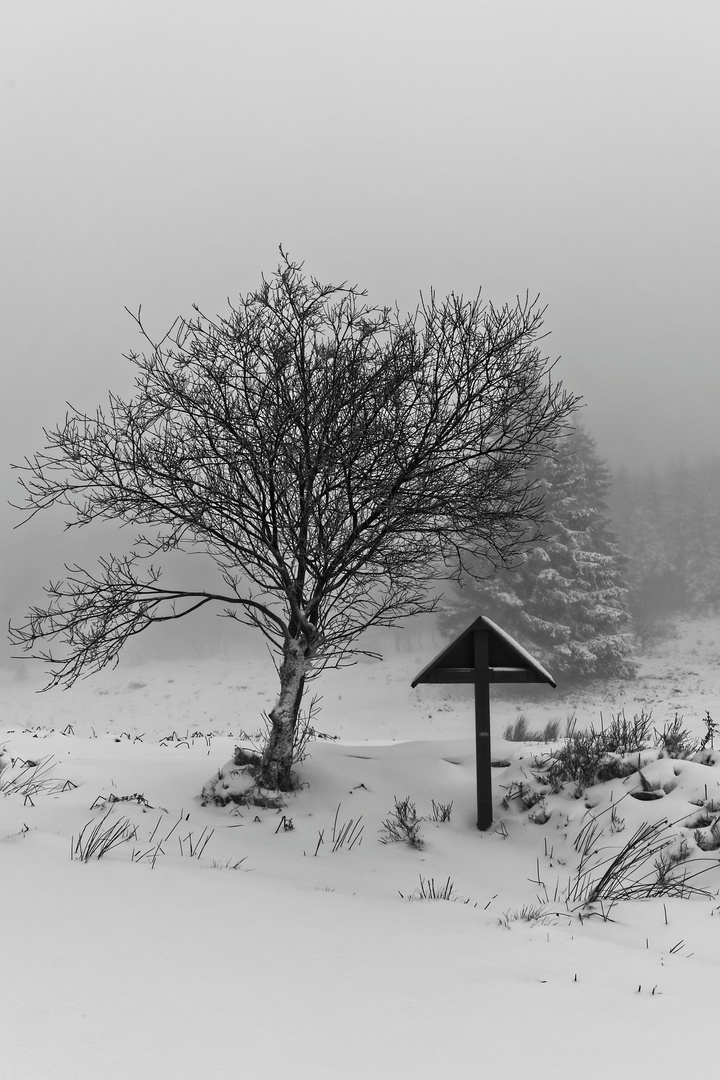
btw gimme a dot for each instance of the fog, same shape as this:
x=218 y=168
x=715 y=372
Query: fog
x=158 y=152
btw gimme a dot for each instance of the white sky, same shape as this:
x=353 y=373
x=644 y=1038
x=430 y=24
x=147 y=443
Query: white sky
x=157 y=152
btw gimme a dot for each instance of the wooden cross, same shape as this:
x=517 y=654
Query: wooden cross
x=482 y=654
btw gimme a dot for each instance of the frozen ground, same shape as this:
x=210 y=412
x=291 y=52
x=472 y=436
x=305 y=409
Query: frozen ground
x=266 y=952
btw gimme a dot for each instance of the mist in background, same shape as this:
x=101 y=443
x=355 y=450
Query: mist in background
x=158 y=152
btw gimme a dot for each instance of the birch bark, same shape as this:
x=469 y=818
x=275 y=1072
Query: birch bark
x=276 y=765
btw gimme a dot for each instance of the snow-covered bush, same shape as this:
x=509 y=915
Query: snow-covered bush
x=596 y=755
x=601 y=767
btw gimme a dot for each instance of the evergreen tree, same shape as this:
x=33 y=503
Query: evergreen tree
x=568 y=599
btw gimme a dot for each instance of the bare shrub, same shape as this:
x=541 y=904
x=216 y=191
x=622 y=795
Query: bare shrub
x=711 y=730
x=582 y=760
x=676 y=741
x=623 y=736
x=403 y=825
x=594 y=756
x=440 y=811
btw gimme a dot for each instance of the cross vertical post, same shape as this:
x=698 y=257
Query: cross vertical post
x=482 y=728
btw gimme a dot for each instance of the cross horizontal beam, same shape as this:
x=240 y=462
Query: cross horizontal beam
x=468 y=675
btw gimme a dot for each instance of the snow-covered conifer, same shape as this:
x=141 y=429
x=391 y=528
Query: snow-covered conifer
x=568 y=598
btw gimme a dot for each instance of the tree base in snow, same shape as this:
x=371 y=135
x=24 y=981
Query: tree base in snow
x=236 y=783
x=246 y=757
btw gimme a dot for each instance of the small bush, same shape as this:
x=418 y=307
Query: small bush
x=520 y=732
x=594 y=756
x=403 y=825
x=582 y=761
x=623 y=736
x=675 y=741
x=711 y=730
x=440 y=811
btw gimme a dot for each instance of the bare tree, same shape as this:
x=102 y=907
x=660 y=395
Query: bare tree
x=331 y=458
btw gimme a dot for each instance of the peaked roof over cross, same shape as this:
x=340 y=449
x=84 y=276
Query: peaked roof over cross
x=507 y=660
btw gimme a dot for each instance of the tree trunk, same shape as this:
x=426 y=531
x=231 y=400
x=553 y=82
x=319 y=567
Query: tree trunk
x=276 y=766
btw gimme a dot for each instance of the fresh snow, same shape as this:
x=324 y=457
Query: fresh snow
x=307 y=962
x=530 y=661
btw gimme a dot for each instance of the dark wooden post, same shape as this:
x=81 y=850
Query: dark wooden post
x=482 y=729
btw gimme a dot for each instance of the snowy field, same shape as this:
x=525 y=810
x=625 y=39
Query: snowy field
x=230 y=941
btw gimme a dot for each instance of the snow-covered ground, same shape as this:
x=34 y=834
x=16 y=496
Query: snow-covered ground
x=244 y=944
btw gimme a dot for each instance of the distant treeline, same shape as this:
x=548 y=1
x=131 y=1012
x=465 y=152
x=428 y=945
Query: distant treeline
x=668 y=523
x=618 y=557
